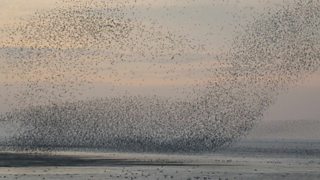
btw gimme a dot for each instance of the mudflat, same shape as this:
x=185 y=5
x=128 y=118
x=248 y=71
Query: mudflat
x=248 y=160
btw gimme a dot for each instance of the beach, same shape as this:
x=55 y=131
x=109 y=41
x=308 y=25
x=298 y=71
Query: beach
x=244 y=160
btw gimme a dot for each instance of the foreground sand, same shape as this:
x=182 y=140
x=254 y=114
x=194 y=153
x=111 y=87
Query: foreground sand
x=228 y=164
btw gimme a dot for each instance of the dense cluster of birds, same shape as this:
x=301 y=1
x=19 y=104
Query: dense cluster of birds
x=62 y=49
x=55 y=53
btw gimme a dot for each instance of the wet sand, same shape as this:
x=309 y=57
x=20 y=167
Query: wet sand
x=233 y=163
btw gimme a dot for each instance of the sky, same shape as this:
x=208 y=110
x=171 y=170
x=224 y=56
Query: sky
x=212 y=23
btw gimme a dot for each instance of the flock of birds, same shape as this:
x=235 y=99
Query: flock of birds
x=55 y=53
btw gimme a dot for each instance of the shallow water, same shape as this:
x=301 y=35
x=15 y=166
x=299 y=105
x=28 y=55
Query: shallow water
x=233 y=163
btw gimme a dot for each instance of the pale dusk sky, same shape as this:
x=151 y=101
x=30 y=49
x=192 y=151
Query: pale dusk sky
x=212 y=21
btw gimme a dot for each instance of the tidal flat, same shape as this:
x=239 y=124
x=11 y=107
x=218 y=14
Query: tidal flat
x=244 y=160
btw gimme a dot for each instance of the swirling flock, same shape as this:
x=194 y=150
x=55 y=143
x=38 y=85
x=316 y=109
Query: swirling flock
x=56 y=54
